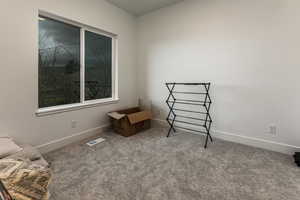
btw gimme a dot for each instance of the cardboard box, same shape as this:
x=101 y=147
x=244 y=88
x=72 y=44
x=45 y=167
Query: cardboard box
x=130 y=121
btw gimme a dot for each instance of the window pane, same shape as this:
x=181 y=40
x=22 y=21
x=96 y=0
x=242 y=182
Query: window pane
x=98 y=66
x=59 y=63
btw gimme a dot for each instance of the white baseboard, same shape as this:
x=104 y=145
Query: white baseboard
x=256 y=142
x=59 y=143
x=250 y=141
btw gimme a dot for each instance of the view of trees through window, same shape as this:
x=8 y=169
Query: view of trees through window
x=59 y=64
x=98 y=62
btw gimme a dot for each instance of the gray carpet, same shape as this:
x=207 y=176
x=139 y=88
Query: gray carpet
x=150 y=166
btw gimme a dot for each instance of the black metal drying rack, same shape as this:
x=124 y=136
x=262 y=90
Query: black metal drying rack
x=205 y=118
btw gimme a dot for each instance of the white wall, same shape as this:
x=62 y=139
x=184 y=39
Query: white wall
x=19 y=67
x=249 y=50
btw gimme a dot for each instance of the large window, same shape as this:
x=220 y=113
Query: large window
x=76 y=64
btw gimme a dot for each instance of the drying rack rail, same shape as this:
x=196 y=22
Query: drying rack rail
x=201 y=123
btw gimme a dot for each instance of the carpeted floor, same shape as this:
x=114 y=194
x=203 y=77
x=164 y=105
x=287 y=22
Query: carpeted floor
x=150 y=166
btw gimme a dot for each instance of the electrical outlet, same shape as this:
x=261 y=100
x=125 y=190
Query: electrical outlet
x=273 y=130
x=73 y=124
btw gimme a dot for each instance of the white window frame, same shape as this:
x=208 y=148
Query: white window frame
x=85 y=103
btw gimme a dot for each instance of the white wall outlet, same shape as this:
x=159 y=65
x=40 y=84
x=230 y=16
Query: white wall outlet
x=273 y=130
x=73 y=124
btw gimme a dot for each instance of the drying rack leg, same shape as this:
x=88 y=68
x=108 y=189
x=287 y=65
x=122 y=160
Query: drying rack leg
x=206 y=140
x=171 y=107
x=210 y=138
x=169 y=133
x=208 y=134
x=208 y=120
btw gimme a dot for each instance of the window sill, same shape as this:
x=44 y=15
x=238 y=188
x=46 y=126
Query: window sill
x=71 y=107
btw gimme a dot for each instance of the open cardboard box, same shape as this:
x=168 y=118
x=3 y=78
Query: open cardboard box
x=130 y=121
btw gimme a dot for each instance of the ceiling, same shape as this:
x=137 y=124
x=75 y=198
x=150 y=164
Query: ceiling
x=141 y=7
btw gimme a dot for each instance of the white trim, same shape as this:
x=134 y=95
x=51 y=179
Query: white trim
x=71 y=107
x=256 y=142
x=115 y=67
x=82 y=65
x=250 y=141
x=76 y=23
x=59 y=143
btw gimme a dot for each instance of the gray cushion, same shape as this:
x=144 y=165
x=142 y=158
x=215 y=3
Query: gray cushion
x=8 y=147
x=31 y=154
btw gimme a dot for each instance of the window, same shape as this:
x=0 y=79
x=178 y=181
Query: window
x=59 y=63
x=98 y=62
x=76 y=64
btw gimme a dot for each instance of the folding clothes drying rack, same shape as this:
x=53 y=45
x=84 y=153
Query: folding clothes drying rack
x=203 y=119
